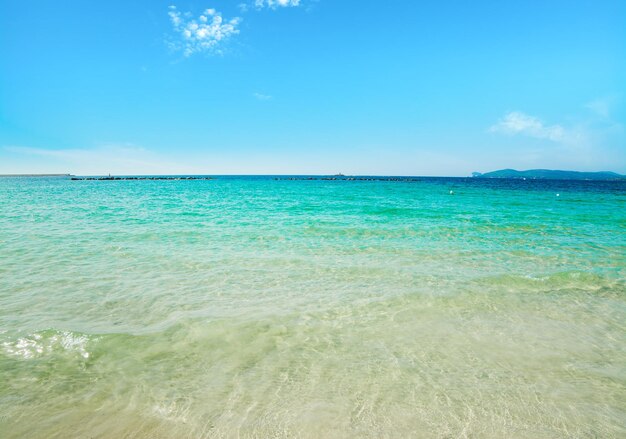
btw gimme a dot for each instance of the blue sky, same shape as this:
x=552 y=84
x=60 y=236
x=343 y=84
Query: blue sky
x=311 y=86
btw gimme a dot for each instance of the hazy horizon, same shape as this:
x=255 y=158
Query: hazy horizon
x=286 y=175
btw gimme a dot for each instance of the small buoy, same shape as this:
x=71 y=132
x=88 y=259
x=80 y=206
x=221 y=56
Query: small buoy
x=451 y=192
x=558 y=195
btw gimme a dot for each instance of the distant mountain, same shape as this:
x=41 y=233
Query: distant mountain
x=548 y=174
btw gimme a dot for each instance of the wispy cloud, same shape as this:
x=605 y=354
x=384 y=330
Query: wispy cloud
x=602 y=106
x=202 y=34
x=516 y=122
x=262 y=97
x=273 y=4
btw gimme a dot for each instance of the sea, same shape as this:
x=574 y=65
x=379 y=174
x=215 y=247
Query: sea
x=312 y=307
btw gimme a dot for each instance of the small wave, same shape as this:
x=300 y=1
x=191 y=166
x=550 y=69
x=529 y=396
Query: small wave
x=556 y=281
x=40 y=344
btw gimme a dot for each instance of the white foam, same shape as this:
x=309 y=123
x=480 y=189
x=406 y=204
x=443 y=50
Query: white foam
x=41 y=344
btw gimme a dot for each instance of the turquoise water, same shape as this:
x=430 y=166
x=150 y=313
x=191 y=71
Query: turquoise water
x=257 y=308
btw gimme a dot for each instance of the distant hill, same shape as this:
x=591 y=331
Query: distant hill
x=548 y=174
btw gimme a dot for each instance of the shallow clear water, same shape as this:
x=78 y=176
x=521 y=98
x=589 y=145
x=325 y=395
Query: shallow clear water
x=250 y=307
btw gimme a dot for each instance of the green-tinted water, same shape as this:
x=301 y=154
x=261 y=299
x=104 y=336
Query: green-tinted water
x=315 y=309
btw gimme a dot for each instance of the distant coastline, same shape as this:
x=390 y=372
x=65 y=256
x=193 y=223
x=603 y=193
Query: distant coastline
x=550 y=174
x=531 y=174
x=35 y=175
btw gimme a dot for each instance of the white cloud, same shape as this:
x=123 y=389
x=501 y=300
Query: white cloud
x=583 y=143
x=516 y=122
x=201 y=34
x=262 y=97
x=273 y=4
